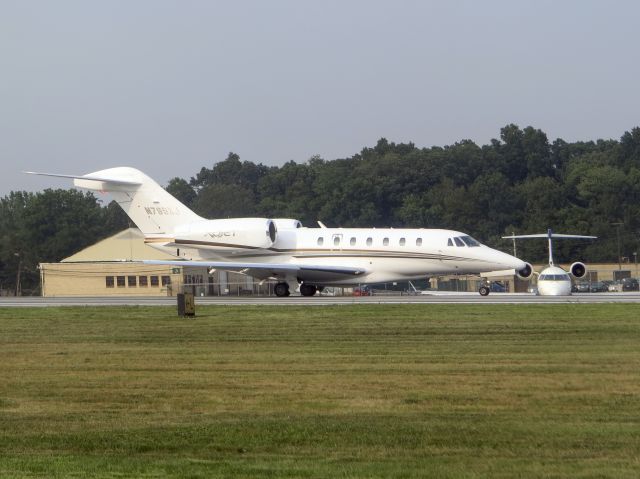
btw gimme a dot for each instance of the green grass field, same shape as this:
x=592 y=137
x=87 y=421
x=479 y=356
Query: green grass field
x=445 y=391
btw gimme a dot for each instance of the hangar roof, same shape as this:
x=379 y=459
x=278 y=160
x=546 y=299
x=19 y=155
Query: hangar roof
x=126 y=245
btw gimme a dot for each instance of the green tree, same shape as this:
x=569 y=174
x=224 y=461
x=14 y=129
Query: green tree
x=231 y=171
x=45 y=227
x=114 y=219
x=224 y=201
x=182 y=191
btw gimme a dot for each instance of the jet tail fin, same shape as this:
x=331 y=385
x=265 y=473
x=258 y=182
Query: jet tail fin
x=149 y=206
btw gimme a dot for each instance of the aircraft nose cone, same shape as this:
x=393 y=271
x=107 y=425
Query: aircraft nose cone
x=518 y=264
x=511 y=262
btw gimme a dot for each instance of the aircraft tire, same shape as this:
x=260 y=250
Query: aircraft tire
x=484 y=290
x=281 y=290
x=308 y=289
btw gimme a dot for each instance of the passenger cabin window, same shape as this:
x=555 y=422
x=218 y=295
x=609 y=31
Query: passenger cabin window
x=402 y=241
x=450 y=242
x=352 y=242
x=419 y=242
x=320 y=241
x=458 y=241
x=336 y=240
x=369 y=241
x=385 y=242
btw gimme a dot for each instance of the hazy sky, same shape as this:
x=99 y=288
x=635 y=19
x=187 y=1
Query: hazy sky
x=171 y=86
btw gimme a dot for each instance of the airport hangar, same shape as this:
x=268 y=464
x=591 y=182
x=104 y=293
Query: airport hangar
x=107 y=268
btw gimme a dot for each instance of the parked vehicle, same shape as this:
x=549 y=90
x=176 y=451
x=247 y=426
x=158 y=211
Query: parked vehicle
x=615 y=286
x=582 y=287
x=329 y=292
x=362 y=291
x=630 y=284
x=598 y=287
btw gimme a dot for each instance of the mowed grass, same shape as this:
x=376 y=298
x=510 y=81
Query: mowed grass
x=341 y=391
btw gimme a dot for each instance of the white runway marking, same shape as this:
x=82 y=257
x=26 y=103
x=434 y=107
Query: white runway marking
x=437 y=298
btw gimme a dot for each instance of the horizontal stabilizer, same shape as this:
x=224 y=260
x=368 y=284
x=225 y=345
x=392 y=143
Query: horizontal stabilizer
x=149 y=206
x=549 y=235
x=546 y=235
x=114 y=181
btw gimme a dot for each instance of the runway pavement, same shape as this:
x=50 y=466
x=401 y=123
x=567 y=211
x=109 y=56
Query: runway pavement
x=435 y=298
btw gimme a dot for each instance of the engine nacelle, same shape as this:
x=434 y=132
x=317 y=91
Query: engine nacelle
x=233 y=233
x=578 y=270
x=287 y=224
x=526 y=272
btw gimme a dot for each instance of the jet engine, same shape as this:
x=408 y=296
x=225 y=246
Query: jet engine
x=240 y=233
x=578 y=269
x=287 y=224
x=526 y=272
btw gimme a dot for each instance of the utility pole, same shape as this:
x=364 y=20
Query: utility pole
x=18 y=286
x=513 y=233
x=618 y=225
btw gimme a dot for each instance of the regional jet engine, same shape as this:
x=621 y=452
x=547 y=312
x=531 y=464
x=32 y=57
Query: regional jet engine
x=526 y=272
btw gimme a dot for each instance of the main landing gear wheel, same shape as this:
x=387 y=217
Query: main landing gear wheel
x=281 y=290
x=484 y=290
x=308 y=289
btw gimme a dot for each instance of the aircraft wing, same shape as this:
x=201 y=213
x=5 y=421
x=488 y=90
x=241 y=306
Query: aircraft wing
x=309 y=273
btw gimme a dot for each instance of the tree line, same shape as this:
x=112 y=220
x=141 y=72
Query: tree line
x=518 y=183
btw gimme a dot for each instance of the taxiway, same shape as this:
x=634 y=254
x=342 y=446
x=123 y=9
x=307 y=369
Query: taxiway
x=438 y=298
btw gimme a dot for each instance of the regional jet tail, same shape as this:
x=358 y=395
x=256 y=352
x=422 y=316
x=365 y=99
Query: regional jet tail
x=284 y=250
x=553 y=280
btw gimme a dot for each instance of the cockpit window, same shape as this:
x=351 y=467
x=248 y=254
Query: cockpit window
x=469 y=241
x=463 y=241
x=553 y=277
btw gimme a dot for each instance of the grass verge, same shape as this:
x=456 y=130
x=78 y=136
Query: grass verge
x=347 y=391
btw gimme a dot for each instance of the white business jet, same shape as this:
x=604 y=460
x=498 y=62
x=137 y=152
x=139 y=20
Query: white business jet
x=284 y=250
x=553 y=280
